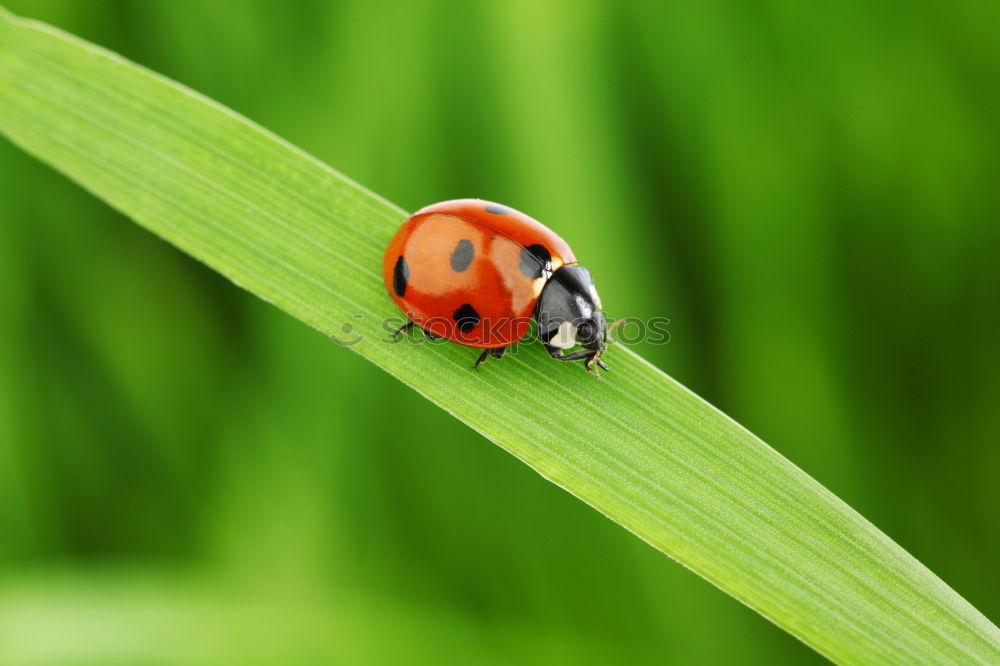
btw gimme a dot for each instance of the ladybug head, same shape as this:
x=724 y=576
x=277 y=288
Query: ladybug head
x=569 y=313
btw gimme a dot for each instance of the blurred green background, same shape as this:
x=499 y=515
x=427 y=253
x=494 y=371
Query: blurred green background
x=189 y=476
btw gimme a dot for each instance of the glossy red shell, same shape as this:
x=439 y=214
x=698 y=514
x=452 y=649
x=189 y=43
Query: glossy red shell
x=463 y=264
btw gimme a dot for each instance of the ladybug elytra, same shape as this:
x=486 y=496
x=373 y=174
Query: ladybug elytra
x=475 y=272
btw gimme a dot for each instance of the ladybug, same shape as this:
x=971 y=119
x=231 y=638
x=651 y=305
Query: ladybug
x=475 y=272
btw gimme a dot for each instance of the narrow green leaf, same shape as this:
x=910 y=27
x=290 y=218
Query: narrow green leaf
x=636 y=445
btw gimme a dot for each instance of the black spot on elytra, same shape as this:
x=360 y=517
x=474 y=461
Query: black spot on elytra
x=462 y=255
x=536 y=261
x=400 y=276
x=496 y=210
x=466 y=317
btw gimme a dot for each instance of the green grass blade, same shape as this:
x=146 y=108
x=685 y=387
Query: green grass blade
x=636 y=445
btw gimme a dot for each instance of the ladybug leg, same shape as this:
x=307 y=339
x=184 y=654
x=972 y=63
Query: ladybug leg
x=402 y=329
x=556 y=353
x=595 y=358
x=590 y=355
x=431 y=336
x=495 y=353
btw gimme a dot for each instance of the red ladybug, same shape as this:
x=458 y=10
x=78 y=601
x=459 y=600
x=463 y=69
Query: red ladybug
x=475 y=272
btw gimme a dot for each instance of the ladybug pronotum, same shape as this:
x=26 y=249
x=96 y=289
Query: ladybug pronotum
x=475 y=272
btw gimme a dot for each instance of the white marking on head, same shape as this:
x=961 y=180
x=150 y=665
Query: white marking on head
x=556 y=263
x=537 y=285
x=565 y=337
x=593 y=292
